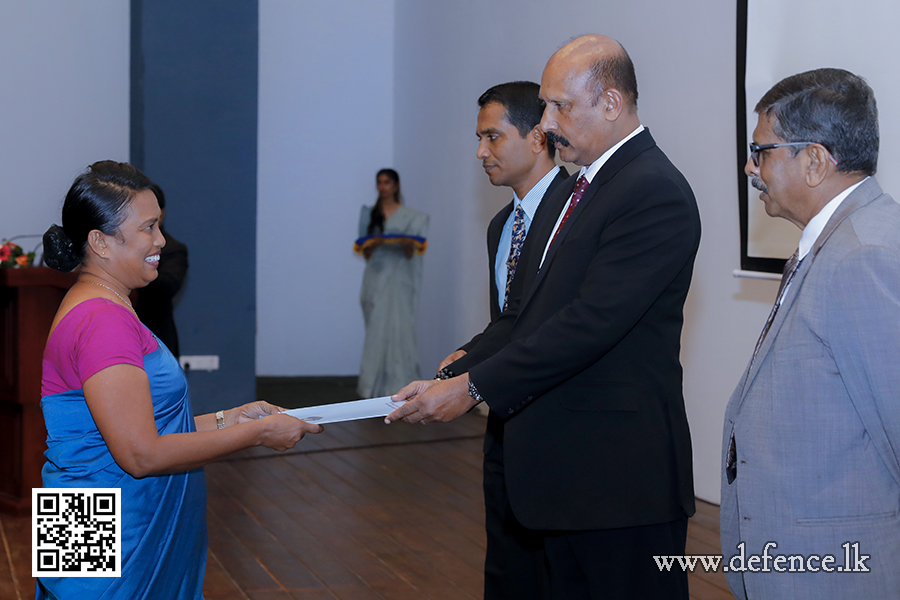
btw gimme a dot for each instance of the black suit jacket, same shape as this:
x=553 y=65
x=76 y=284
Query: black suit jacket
x=589 y=384
x=494 y=231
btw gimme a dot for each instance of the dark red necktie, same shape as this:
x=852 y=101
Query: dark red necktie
x=580 y=186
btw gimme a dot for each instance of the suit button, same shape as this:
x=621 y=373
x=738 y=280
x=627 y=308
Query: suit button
x=511 y=411
x=529 y=398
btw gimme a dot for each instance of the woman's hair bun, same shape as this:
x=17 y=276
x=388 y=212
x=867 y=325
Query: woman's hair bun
x=59 y=252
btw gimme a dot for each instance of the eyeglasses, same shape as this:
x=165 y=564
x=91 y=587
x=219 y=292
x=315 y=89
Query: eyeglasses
x=755 y=149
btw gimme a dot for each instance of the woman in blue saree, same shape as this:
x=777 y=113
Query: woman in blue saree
x=116 y=401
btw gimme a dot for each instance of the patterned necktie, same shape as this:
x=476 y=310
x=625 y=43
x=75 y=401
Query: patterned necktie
x=580 y=186
x=790 y=267
x=515 y=249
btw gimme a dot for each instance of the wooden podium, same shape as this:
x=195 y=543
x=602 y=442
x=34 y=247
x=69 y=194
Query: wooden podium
x=29 y=298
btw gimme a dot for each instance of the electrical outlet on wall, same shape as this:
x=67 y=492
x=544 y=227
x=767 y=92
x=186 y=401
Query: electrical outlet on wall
x=200 y=362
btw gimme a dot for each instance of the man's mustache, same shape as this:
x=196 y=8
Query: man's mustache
x=758 y=184
x=552 y=138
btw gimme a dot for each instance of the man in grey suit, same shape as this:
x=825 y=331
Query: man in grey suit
x=811 y=445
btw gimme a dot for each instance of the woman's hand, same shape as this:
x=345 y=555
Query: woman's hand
x=121 y=405
x=409 y=247
x=371 y=246
x=282 y=432
x=250 y=412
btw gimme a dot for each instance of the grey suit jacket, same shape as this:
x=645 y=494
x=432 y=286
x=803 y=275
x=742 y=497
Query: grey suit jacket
x=816 y=419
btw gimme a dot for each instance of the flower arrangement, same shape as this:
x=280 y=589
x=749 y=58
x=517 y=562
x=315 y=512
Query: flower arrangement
x=12 y=255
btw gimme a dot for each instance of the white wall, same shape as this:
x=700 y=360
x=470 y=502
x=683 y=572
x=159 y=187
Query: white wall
x=785 y=39
x=423 y=111
x=326 y=86
x=448 y=53
x=64 y=93
x=349 y=87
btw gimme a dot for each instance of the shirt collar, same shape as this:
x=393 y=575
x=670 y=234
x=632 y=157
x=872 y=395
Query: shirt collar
x=817 y=224
x=533 y=198
x=592 y=169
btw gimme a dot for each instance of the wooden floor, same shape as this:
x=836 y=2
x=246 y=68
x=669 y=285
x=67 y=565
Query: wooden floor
x=361 y=511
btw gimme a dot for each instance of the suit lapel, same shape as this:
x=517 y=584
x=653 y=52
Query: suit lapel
x=527 y=262
x=495 y=228
x=620 y=158
x=864 y=194
x=547 y=209
x=783 y=310
x=551 y=205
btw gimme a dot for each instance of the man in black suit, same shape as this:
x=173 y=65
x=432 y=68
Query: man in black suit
x=514 y=153
x=596 y=448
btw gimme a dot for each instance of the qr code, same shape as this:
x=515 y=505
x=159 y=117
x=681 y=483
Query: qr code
x=76 y=532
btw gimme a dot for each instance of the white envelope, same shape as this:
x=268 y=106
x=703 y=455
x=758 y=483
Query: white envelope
x=346 y=411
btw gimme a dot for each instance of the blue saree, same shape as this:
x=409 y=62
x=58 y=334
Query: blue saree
x=163 y=521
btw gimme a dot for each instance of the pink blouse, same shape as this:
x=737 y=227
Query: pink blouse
x=96 y=334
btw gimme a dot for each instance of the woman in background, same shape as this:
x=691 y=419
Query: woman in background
x=394 y=242
x=116 y=401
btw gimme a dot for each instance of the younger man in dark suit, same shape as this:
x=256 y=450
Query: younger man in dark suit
x=514 y=153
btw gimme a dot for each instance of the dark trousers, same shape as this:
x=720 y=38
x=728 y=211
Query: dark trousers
x=514 y=567
x=617 y=564
x=608 y=564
